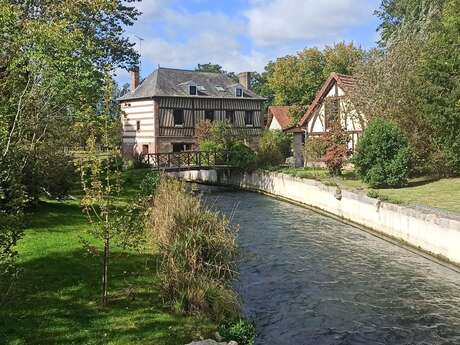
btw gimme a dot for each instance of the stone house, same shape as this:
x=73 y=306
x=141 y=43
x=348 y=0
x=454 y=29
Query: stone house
x=162 y=113
x=332 y=103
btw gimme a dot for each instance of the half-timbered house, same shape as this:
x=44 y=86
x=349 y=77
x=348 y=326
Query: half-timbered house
x=162 y=113
x=331 y=104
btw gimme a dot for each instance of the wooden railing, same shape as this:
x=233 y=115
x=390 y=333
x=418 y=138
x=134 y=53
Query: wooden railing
x=187 y=160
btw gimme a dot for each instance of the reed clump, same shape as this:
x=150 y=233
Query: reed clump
x=198 y=252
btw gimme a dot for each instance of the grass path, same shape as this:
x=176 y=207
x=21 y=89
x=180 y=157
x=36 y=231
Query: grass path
x=56 y=299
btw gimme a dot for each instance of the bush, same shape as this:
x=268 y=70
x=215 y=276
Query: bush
x=242 y=331
x=197 y=250
x=218 y=137
x=52 y=171
x=242 y=157
x=274 y=148
x=314 y=149
x=12 y=202
x=382 y=155
x=337 y=152
x=334 y=158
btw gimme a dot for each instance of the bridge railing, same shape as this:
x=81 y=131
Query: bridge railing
x=187 y=159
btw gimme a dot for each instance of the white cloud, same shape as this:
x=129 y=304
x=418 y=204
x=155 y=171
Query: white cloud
x=152 y=8
x=187 y=39
x=203 y=48
x=280 y=22
x=244 y=40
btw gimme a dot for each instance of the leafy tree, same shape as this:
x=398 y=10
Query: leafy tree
x=210 y=67
x=100 y=170
x=296 y=79
x=215 y=68
x=406 y=18
x=439 y=87
x=52 y=56
x=382 y=155
x=274 y=148
x=408 y=84
x=341 y=58
x=260 y=85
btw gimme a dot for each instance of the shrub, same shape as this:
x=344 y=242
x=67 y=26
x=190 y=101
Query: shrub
x=12 y=202
x=242 y=331
x=274 y=148
x=337 y=152
x=219 y=137
x=334 y=158
x=52 y=171
x=382 y=155
x=197 y=250
x=149 y=184
x=242 y=157
x=314 y=149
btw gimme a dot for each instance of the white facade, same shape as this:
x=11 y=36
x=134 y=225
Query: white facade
x=275 y=125
x=139 y=125
x=351 y=120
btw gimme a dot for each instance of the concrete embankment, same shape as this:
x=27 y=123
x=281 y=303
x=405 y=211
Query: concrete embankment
x=431 y=231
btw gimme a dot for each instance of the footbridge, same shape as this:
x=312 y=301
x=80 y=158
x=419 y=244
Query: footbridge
x=188 y=160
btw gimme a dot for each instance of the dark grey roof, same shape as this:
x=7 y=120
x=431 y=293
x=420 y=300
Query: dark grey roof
x=176 y=82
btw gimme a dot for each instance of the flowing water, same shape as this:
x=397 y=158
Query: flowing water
x=308 y=279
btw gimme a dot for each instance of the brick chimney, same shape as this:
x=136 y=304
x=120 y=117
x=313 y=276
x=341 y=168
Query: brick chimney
x=245 y=79
x=134 y=78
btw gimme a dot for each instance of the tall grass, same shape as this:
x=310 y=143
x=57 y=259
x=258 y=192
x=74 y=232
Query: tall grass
x=198 y=252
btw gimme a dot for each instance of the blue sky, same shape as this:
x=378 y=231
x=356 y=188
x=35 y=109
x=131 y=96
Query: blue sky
x=243 y=35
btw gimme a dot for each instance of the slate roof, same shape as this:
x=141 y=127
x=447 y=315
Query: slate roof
x=175 y=83
x=281 y=114
x=345 y=82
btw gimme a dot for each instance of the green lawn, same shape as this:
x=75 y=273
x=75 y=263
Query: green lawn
x=442 y=194
x=56 y=299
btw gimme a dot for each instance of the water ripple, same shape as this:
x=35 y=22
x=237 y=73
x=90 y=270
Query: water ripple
x=308 y=279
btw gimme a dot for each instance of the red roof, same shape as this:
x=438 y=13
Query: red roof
x=281 y=114
x=345 y=82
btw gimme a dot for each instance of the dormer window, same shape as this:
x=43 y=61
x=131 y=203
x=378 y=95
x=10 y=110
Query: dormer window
x=239 y=92
x=193 y=90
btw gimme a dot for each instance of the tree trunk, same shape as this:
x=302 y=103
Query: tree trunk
x=105 y=273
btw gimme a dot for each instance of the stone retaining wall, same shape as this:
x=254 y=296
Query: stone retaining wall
x=434 y=232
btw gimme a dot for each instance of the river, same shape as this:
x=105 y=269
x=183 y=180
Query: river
x=309 y=279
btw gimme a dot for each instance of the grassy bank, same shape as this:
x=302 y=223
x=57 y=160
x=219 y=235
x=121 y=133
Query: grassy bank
x=56 y=299
x=443 y=194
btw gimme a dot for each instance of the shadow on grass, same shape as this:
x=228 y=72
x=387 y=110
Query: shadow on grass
x=54 y=216
x=57 y=297
x=56 y=301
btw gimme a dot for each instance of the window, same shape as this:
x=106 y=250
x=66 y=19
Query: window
x=178 y=115
x=180 y=147
x=249 y=118
x=229 y=115
x=145 y=149
x=209 y=115
x=138 y=126
x=192 y=89
x=239 y=92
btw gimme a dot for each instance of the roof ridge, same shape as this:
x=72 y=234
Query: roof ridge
x=188 y=70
